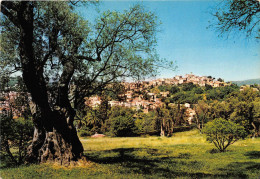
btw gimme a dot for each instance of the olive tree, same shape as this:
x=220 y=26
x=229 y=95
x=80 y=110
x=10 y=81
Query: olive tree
x=63 y=59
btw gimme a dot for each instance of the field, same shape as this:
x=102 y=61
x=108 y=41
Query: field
x=185 y=155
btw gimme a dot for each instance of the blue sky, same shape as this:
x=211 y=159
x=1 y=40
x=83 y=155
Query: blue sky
x=185 y=38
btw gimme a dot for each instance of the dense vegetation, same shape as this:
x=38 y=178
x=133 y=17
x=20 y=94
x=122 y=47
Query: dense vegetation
x=16 y=135
x=240 y=107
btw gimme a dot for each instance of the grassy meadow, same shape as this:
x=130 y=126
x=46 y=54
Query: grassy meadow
x=185 y=155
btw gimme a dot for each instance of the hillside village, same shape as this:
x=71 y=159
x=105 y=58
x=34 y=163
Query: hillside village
x=131 y=87
x=154 y=100
x=137 y=96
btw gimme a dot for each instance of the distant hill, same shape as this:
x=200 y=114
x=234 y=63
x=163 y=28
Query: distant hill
x=247 y=82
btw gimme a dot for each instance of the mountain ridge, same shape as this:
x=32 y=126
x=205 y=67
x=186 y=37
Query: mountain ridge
x=247 y=82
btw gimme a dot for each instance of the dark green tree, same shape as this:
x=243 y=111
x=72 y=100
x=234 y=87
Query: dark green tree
x=174 y=89
x=123 y=126
x=147 y=123
x=121 y=122
x=188 y=86
x=244 y=105
x=220 y=80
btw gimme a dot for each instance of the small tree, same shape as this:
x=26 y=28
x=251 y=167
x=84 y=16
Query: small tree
x=223 y=133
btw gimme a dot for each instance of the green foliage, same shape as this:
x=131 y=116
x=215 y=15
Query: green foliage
x=113 y=92
x=122 y=126
x=15 y=137
x=185 y=97
x=220 y=93
x=198 y=90
x=208 y=87
x=121 y=122
x=220 y=109
x=242 y=15
x=202 y=114
x=220 y=79
x=91 y=119
x=146 y=123
x=165 y=121
x=190 y=93
x=174 y=89
x=155 y=90
x=84 y=132
x=163 y=88
x=223 y=133
x=188 y=86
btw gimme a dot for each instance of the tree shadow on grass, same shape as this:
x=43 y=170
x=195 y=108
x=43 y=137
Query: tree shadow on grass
x=253 y=154
x=157 y=166
x=238 y=168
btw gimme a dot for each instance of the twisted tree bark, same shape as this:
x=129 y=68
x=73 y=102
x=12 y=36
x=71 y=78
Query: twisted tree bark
x=55 y=138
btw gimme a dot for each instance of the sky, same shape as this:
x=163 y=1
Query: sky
x=185 y=38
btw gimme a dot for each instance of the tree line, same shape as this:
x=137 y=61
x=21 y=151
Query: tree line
x=241 y=107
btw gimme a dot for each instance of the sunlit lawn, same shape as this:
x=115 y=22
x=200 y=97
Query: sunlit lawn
x=185 y=155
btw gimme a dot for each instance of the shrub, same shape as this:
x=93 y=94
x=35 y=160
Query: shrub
x=16 y=135
x=84 y=132
x=123 y=126
x=223 y=133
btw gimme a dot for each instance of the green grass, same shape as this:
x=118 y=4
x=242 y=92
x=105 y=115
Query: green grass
x=185 y=155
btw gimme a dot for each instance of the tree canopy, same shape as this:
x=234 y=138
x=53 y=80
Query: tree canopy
x=223 y=133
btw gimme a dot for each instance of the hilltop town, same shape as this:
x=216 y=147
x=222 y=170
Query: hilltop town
x=137 y=101
x=142 y=95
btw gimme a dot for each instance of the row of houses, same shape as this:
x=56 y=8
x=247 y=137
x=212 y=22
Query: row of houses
x=188 y=78
x=7 y=104
x=134 y=103
x=145 y=105
x=139 y=102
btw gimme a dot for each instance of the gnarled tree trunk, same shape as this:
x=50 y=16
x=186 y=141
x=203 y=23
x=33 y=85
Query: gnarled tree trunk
x=61 y=144
x=55 y=137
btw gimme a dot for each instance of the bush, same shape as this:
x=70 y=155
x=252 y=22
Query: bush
x=123 y=126
x=223 y=133
x=16 y=135
x=84 y=132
